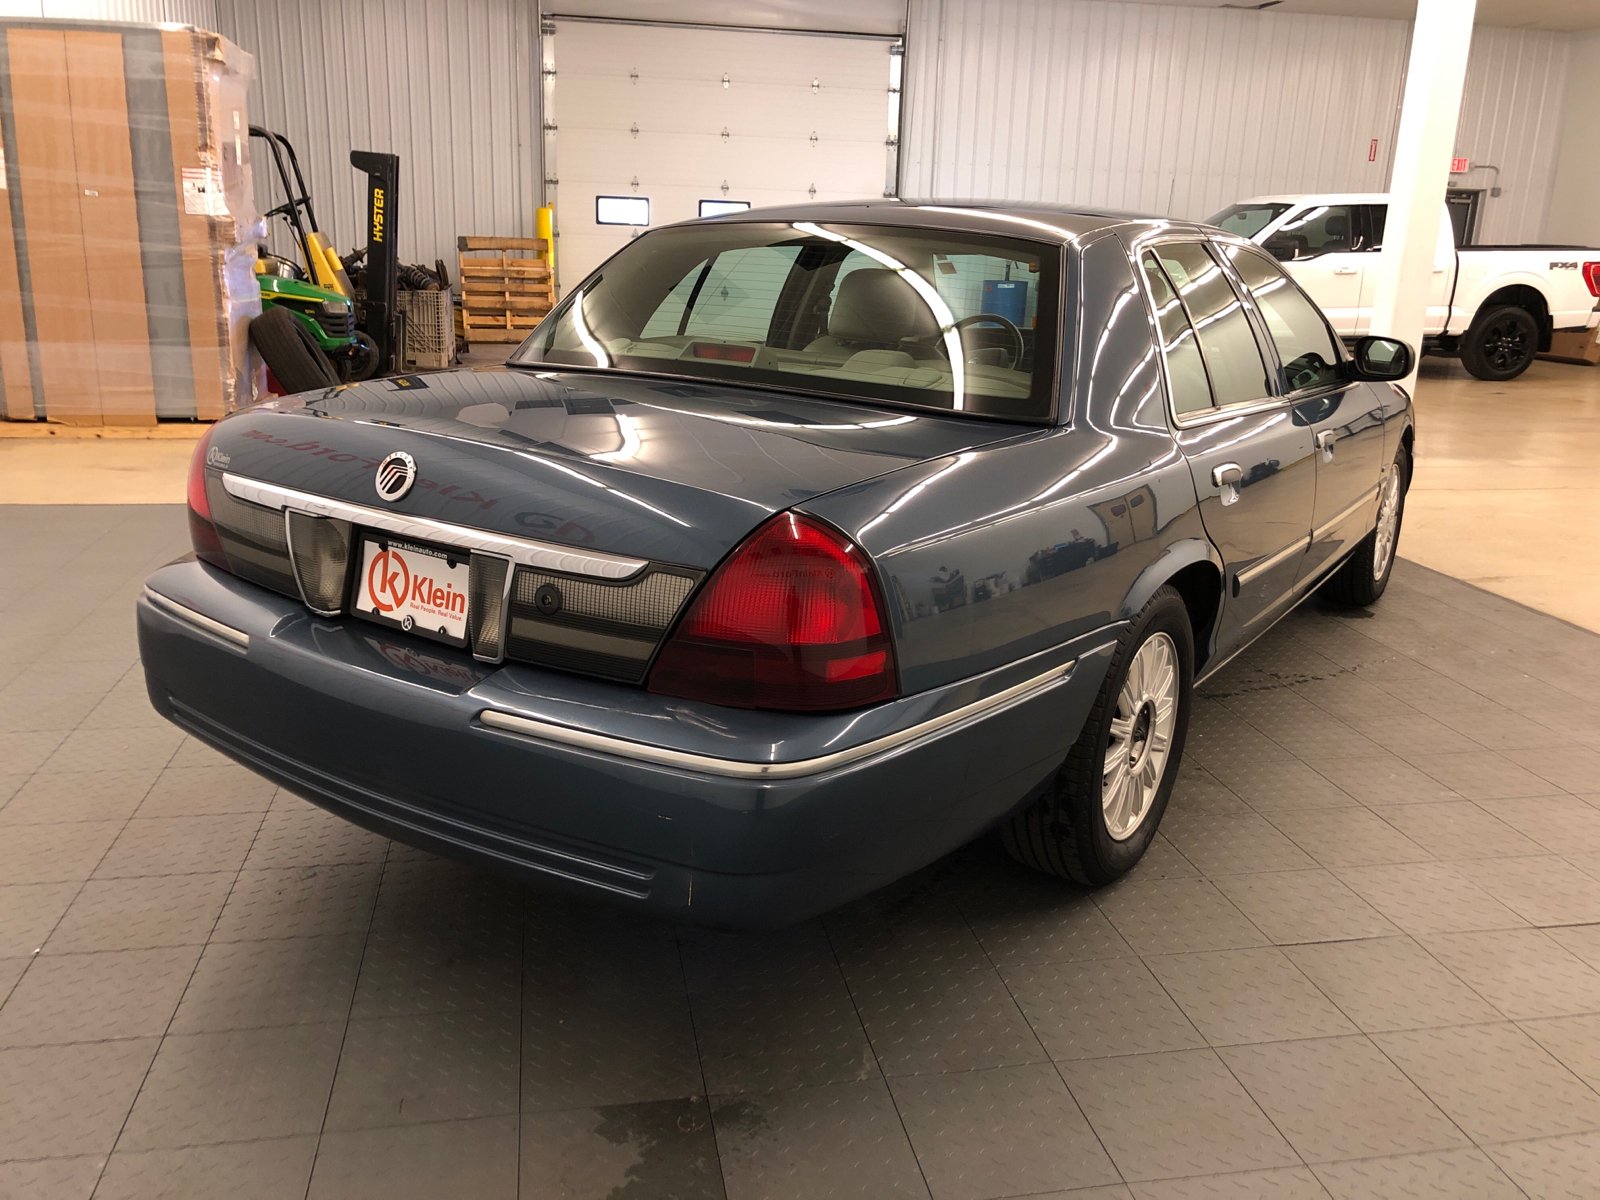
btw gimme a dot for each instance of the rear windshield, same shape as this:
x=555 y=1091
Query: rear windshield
x=957 y=321
x=1247 y=220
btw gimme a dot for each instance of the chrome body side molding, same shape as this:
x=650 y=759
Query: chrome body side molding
x=704 y=764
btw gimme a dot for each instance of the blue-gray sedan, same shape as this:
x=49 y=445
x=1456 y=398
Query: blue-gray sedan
x=793 y=550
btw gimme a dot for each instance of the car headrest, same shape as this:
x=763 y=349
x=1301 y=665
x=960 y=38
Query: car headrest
x=874 y=304
x=1337 y=226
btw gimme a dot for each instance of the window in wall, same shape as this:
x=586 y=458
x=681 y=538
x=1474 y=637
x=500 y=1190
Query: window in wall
x=1305 y=347
x=1233 y=359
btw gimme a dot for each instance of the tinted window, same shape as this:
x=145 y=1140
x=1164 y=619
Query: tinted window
x=1186 y=373
x=1325 y=229
x=1374 y=217
x=947 y=320
x=1233 y=359
x=1305 y=347
x=1247 y=220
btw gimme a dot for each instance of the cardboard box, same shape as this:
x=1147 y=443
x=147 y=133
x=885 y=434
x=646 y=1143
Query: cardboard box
x=128 y=230
x=1580 y=347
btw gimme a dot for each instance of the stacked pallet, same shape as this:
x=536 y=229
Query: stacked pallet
x=505 y=287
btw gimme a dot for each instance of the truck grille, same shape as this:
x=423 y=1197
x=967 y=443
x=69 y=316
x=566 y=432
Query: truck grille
x=339 y=326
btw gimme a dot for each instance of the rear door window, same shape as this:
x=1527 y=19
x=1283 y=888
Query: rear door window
x=1227 y=342
x=1305 y=345
x=1186 y=372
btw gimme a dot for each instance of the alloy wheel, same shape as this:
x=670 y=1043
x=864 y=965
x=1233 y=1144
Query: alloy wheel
x=1141 y=737
x=1505 y=345
x=1388 y=523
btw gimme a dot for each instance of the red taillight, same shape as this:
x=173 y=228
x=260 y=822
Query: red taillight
x=202 y=533
x=792 y=620
x=1591 y=276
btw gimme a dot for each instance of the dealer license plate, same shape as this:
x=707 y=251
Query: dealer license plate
x=417 y=588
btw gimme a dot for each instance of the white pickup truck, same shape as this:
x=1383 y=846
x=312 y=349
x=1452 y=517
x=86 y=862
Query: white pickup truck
x=1495 y=305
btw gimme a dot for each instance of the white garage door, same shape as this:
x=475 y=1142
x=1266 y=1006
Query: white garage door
x=676 y=115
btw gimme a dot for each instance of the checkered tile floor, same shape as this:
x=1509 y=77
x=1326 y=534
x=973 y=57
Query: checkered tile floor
x=1363 y=958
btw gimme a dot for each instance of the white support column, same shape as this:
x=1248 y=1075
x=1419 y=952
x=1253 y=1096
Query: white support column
x=1423 y=146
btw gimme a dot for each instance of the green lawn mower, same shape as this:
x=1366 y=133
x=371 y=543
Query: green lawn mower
x=322 y=313
x=308 y=331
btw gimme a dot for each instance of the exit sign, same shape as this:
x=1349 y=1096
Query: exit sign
x=1458 y=165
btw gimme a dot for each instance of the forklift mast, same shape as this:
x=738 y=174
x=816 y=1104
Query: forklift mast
x=382 y=259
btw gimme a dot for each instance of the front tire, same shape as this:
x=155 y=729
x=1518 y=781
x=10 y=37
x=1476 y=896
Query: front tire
x=1365 y=574
x=1501 y=343
x=1101 y=811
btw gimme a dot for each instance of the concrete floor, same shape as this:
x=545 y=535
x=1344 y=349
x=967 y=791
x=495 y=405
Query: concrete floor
x=1507 y=484
x=1360 y=961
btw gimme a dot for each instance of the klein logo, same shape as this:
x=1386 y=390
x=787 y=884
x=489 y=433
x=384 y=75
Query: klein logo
x=388 y=581
x=396 y=473
x=216 y=457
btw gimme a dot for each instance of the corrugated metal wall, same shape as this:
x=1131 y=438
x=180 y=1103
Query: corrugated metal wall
x=1149 y=107
x=202 y=13
x=445 y=84
x=1511 y=117
x=1183 y=110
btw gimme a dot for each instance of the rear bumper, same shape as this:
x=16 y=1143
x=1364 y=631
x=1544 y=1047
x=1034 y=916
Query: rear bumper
x=706 y=814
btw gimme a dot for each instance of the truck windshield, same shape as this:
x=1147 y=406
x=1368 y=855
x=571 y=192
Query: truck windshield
x=957 y=321
x=1247 y=220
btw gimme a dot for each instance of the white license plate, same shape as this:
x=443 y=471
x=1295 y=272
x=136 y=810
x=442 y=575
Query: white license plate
x=415 y=588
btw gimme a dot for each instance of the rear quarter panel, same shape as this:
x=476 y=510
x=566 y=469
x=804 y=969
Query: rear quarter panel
x=1002 y=551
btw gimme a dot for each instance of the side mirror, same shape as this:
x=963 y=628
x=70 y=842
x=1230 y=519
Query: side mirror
x=1381 y=359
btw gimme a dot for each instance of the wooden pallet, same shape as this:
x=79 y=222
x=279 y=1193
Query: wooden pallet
x=502 y=296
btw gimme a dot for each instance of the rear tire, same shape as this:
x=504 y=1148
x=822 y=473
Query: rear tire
x=1500 y=344
x=291 y=352
x=1365 y=574
x=1084 y=828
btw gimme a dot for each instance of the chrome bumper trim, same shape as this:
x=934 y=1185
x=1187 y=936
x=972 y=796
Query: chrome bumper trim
x=423 y=529
x=172 y=608
x=704 y=764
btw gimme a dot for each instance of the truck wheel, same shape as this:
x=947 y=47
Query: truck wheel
x=1101 y=811
x=1501 y=343
x=291 y=352
x=1365 y=574
x=362 y=361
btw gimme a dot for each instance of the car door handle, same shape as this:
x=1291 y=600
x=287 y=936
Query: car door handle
x=1325 y=441
x=1346 y=271
x=1226 y=478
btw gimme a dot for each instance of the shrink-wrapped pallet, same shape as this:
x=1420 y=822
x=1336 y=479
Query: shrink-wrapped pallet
x=128 y=228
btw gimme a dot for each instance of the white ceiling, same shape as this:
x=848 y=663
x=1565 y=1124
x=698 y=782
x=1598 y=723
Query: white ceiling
x=889 y=16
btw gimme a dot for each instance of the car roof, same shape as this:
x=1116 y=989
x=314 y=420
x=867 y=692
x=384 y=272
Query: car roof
x=1025 y=220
